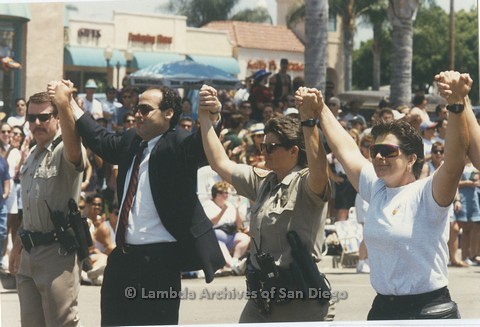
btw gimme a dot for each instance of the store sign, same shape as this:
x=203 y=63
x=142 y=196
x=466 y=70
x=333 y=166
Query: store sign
x=271 y=65
x=162 y=39
x=89 y=33
x=150 y=39
x=141 y=38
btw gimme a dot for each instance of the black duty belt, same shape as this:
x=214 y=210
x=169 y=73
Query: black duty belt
x=33 y=239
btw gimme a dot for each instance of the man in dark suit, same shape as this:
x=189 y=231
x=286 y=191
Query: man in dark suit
x=162 y=228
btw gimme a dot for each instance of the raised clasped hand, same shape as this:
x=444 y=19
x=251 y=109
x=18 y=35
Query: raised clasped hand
x=60 y=91
x=453 y=86
x=208 y=102
x=309 y=102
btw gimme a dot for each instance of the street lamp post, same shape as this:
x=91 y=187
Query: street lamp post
x=118 y=74
x=108 y=54
x=128 y=57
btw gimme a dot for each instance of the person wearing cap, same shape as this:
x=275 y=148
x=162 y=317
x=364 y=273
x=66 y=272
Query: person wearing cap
x=255 y=157
x=280 y=84
x=427 y=130
x=92 y=105
x=259 y=94
x=110 y=105
x=291 y=112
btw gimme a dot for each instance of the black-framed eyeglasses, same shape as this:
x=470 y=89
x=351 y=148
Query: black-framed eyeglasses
x=41 y=117
x=270 y=147
x=438 y=151
x=385 y=150
x=143 y=108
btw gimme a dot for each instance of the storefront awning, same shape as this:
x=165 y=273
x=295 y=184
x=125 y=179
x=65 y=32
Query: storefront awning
x=90 y=57
x=20 y=10
x=227 y=64
x=143 y=59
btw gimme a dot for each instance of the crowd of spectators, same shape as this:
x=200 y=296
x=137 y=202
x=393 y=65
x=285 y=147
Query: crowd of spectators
x=244 y=114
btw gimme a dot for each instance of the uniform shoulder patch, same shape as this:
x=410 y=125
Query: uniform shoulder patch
x=262 y=173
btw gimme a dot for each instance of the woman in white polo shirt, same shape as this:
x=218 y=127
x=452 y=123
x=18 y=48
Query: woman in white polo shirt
x=406 y=225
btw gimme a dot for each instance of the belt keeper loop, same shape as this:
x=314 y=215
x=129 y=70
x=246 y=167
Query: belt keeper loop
x=30 y=238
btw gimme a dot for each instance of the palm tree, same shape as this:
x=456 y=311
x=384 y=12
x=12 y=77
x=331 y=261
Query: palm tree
x=377 y=17
x=348 y=10
x=401 y=14
x=257 y=15
x=316 y=35
x=201 y=12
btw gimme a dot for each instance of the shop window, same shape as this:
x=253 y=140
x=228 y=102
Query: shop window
x=332 y=22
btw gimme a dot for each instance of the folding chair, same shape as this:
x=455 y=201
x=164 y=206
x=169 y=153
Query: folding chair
x=350 y=234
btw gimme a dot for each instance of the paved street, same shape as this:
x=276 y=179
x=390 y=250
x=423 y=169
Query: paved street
x=464 y=287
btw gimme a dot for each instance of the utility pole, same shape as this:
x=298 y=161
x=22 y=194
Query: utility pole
x=452 y=36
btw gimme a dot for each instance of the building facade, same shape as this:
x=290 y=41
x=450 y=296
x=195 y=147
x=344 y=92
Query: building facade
x=49 y=45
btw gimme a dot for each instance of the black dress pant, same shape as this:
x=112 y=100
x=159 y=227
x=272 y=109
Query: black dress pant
x=140 y=286
x=409 y=307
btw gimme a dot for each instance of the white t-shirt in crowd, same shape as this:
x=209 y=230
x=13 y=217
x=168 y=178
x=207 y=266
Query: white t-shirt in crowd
x=406 y=234
x=212 y=210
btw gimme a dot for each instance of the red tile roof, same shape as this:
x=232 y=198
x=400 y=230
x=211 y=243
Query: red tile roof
x=259 y=36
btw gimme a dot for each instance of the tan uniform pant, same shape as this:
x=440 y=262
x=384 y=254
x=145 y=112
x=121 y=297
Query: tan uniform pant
x=48 y=284
x=296 y=310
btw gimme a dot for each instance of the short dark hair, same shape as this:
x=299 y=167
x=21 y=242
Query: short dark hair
x=289 y=134
x=439 y=108
x=171 y=100
x=410 y=141
x=40 y=98
x=418 y=99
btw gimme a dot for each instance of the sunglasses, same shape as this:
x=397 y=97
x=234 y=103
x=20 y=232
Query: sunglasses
x=41 y=117
x=438 y=152
x=385 y=150
x=130 y=120
x=143 y=108
x=269 y=147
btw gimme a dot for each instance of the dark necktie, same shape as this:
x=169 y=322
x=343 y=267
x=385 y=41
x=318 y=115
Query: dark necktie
x=130 y=195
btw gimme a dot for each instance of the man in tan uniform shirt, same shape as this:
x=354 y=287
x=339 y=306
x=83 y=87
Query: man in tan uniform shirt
x=48 y=279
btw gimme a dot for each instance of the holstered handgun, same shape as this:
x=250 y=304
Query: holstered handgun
x=307 y=267
x=80 y=228
x=63 y=230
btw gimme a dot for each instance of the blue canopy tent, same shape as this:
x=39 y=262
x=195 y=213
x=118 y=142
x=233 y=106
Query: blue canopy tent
x=186 y=74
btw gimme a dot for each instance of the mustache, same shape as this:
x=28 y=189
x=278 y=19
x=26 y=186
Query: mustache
x=39 y=129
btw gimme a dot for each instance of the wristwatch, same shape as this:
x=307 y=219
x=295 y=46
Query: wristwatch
x=309 y=122
x=456 y=108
